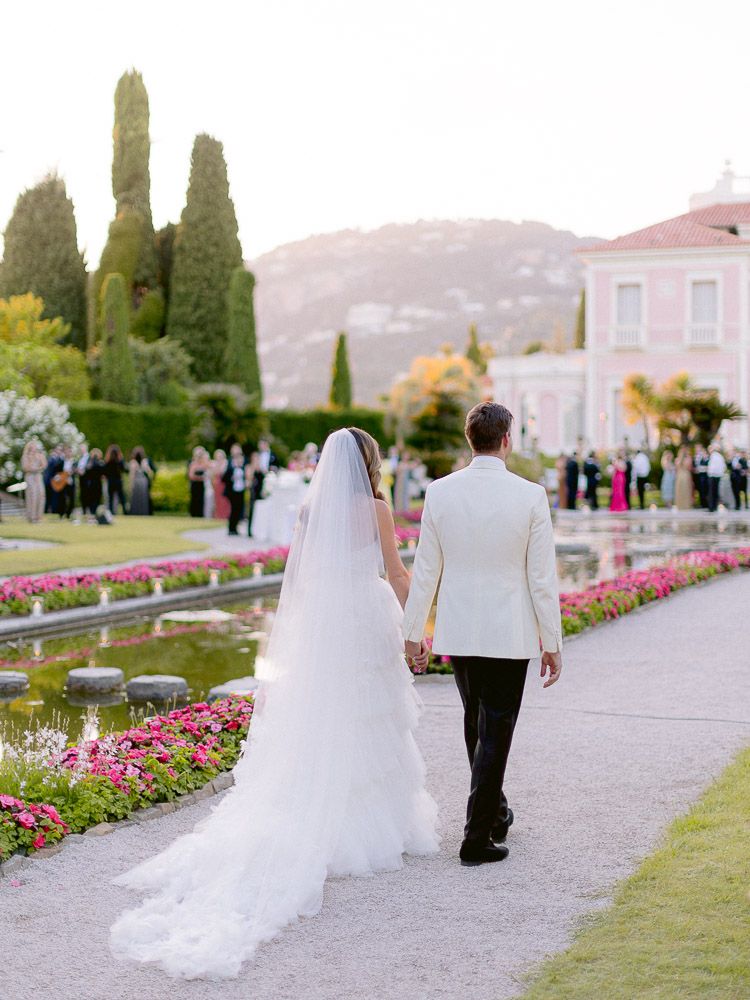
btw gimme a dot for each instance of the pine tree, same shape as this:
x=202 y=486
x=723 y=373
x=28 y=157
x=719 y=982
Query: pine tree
x=206 y=252
x=130 y=249
x=241 y=365
x=42 y=256
x=474 y=351
x=117 y=373
x=579 y=337
x=341 y=381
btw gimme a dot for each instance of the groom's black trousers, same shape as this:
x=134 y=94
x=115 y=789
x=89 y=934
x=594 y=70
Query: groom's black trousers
x=491 y=691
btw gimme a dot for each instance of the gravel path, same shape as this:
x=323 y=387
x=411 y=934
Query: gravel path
x=649 y=710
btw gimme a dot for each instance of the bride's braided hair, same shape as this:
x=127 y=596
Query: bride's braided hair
x=369 y=449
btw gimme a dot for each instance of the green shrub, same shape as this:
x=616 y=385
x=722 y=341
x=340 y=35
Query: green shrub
x=293 y=429
x=171 y=491
x=163 y=431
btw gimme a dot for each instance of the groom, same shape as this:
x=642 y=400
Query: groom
x=487 y=541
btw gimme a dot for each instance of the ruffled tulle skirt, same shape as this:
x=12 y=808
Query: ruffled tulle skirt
x=331 y=782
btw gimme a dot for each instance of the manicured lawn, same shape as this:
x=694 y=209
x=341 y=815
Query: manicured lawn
x=93 y=545
x=680 y=926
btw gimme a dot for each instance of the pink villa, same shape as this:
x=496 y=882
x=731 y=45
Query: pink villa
x=672 y=297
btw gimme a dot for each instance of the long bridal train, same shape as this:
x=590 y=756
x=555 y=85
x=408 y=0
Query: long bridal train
x=331 y=782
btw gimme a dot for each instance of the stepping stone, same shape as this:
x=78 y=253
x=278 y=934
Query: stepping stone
x=241 y=686
x=94 y=680
x=12 y=683
x=211 y=615
x=98 y=699
x=156 y=687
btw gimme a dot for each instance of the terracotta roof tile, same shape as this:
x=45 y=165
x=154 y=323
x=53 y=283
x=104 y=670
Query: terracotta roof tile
x=694 y=229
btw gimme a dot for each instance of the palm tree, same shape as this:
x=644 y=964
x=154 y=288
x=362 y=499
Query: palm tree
x=639 y=401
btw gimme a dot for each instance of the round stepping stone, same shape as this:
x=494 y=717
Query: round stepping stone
x=94 y=680
x=156 y=687
x=240 y=686
x=12 y=683
x=102 y=699
x=212 y=615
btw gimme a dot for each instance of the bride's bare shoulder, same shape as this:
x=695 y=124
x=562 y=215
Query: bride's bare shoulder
x=383 y=510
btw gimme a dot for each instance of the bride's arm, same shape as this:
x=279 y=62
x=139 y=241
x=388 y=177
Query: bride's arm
x=398 y=575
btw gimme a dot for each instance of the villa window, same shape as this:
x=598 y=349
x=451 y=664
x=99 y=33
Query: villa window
x=704 y=313
x=629 y=329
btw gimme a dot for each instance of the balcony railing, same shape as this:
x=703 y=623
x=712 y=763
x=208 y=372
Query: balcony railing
x=627 y=336
x=703 y=334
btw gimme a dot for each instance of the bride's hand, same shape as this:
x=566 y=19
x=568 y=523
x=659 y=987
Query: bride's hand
x=418 y=656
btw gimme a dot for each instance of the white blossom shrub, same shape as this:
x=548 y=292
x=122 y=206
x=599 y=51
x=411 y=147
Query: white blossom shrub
x=21 y=418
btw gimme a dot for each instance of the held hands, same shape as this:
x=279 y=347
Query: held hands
x=417 y=656
x=553 y=663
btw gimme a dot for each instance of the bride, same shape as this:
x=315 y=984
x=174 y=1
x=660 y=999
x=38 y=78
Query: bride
x=330 y=781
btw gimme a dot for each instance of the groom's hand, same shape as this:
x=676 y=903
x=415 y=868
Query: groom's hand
x=417 y=655
x=553 y=663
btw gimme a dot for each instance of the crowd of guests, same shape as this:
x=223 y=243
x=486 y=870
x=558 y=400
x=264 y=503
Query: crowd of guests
x=687 y=479
x=64 y=480
x=221 y=485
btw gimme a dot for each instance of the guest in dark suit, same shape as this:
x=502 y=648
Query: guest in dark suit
x=572 y=471
x=54 y=465
x=234 y=486
x=592 y=473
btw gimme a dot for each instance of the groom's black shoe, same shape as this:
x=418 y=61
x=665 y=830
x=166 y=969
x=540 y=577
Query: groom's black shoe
x=472 y=855
x=500 y=830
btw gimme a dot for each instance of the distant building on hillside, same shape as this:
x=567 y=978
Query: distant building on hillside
x=672 y=297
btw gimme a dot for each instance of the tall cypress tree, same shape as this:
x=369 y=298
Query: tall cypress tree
x=579 y=337
x=341 y=380
x=241 y=357
x=130 y=249
x=206 y=252
x=42 y=257
x=117 y=374
x=474 y=351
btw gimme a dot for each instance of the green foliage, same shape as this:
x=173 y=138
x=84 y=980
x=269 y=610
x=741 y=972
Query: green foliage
x=162 y=370
x=579 y=337
x=341 y=380
x=526 y=467
x=241 y=365
x=474 y=352
x=120 y=255
x=170 y=492
x=225 y=415
x=291 y=430
x=533 y=347
x=438 y=432
x=117 y=372
x=206 y=252
x=164 y=255
x=163 y=431
x=32 y=361
x=148 y=320
x=42 y=257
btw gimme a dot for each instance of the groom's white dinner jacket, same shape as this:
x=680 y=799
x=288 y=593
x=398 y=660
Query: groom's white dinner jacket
x=487 y=541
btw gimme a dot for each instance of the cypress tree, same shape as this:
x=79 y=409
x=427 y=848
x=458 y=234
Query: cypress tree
x=130 y=248
x=474 y=351
x=164 y=256
x=206 y=252
x=117 y=374
x=341 y=381
x=241 y=365
x=579 y=337
x=42 y=256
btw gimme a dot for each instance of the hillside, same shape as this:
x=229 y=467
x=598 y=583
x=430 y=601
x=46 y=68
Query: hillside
x=404 y=290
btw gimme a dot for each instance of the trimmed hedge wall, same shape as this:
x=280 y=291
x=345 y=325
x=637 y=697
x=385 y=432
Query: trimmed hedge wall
x=165 y=431
x=162 y=430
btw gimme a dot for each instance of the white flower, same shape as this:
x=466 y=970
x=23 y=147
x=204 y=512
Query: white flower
x=21 y=418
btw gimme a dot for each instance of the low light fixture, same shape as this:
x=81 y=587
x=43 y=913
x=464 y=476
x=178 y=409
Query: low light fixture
x=213 y=578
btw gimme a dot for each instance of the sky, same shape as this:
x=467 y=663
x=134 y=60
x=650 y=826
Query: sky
x=591 y=115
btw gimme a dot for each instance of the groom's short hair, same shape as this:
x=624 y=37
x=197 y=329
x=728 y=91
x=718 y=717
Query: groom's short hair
x=486 y=426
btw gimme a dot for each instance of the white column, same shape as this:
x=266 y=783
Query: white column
x=591 y=419
x=743 y=426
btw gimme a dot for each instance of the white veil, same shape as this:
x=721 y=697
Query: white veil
x=261 y=857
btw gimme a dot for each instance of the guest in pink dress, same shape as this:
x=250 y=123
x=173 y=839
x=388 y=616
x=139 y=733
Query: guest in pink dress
x=618 y=502
x=222 y=506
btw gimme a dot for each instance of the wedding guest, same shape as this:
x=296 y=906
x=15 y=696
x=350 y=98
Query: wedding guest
x=628 y=477
x=684 y=482
x=618 y=502
x=738 y=478
x=90 y=479
x=33 y=464
x=64 y=484
x=234 y=480
x=54 y=466
x=218 y=468
x=141 y=474
x=114 y=470
x=668 y=474
x=700 y=474
x=572 y=471
x=562 y=489
x=592 y=472
x=198 y=472
x=715 y=470
x=641 y=472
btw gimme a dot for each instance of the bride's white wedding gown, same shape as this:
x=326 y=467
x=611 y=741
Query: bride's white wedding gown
x=331 y=781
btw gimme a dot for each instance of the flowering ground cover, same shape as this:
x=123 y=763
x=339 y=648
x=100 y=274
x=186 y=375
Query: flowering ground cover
x=50 y=789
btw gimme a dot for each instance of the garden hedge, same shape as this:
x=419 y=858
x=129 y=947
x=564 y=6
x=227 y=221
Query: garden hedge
x=295 y=428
